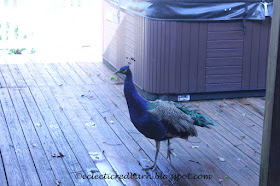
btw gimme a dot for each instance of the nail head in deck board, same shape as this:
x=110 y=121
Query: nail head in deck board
x=269 y=174
x=48 y=143
x=9 y=158
x=63 y=145
x=37 y=152
x=29 y=173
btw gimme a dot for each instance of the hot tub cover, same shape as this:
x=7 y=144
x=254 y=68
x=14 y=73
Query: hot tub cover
x=198 y=10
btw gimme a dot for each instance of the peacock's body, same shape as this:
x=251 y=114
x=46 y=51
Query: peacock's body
x=160 y=120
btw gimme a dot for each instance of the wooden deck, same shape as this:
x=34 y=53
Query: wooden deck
x=62 y=119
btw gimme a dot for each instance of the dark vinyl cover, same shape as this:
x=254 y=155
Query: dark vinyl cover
x=197 y=10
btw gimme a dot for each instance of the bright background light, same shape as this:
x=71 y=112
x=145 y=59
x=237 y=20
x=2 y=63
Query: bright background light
x=52 y=27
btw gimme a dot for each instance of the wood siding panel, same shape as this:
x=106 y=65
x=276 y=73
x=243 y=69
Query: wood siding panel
x=247 y=56
x=227 y=26
x=162 y=66
x=201 y=75
x=224 y=56
x=181 y=57
x=224 y=53
x=233 y=61
x=166 y=54
x=172 y=57
x=193 y=57
x=230 y=35
x=159 y=56
x=263 y=55
x=178 y=56
x=233 y=44
x=224 y=79
x=186 y=45
x=255 y=54
x=223 y=70
x=223 y=87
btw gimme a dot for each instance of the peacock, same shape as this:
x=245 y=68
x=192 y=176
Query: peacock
x=160 y=120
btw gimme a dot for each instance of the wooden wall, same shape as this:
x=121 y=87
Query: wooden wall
x=182 y=57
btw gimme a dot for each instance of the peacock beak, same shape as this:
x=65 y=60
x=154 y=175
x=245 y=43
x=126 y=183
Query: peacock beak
x=117 y=72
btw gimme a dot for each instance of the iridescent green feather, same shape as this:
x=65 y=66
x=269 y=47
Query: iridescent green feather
x=199 y=119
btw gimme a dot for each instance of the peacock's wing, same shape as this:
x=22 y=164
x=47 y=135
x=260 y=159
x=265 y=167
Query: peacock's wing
x=199 y=119
x=172 y=117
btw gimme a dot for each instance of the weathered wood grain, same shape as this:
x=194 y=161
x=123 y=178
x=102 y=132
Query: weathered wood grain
x=35 y=146
x=7 y=75
x=49 y=144
x=8 y=156
x=71 y=162
x=73 y=139
x=2 y=172
x=80 y=125
x=20 y=145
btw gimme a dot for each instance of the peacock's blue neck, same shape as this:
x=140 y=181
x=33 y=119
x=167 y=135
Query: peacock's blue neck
x=136 y=104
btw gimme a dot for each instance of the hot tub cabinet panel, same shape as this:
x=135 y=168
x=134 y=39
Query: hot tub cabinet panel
x=176 y=57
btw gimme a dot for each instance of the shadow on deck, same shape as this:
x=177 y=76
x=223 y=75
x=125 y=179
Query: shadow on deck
x=62 y=121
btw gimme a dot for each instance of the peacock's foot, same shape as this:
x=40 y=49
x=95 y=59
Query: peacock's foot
x=153 y=167
x=169 y=152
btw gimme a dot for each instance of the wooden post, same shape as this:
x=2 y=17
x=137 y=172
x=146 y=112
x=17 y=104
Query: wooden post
x=270 y=159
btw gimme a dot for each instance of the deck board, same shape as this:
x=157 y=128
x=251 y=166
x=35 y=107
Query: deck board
x=20 y=145
x=8 y=155
x=2 y=172
x=74 y=108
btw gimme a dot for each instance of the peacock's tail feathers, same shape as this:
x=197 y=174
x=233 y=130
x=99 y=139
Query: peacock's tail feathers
x=199 y=119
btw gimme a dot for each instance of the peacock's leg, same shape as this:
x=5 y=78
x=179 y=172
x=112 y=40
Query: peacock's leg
x=155 y=162
x=169 y=150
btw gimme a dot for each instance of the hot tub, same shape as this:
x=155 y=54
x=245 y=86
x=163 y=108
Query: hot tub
x=189 y=51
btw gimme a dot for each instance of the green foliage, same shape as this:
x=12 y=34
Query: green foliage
x=16 y=51
x=12 y=31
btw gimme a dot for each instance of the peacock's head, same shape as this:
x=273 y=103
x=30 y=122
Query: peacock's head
x=124 y=70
